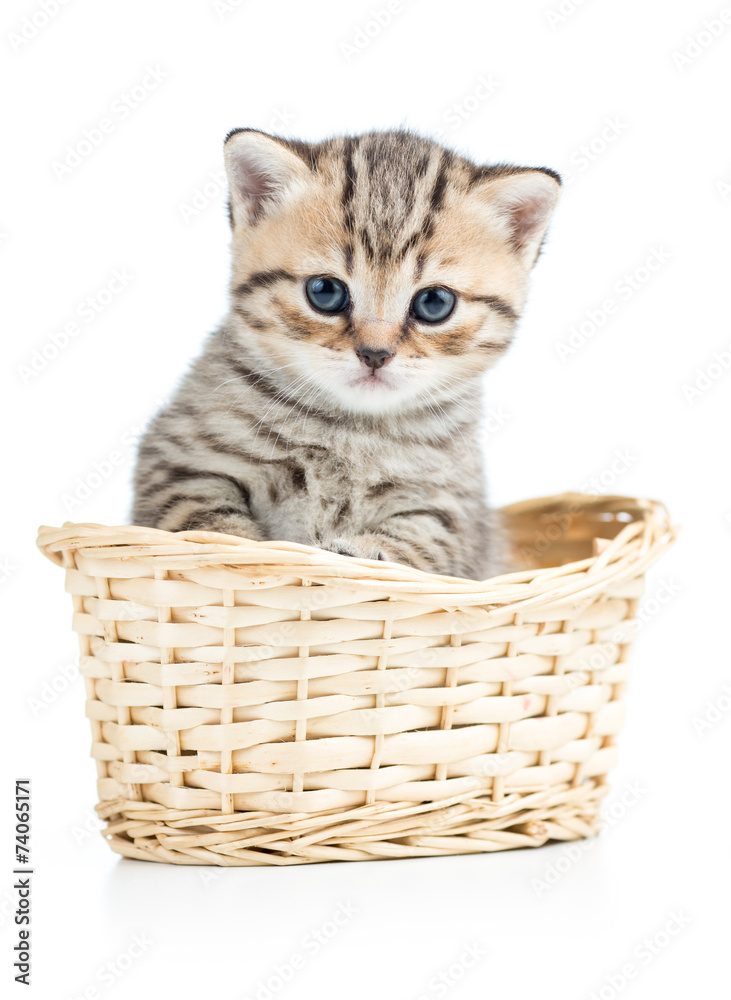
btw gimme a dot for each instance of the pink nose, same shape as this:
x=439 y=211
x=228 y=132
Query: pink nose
x=374 y=359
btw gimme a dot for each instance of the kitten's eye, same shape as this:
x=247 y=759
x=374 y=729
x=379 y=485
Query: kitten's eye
x=327 y=295
x=433 y=305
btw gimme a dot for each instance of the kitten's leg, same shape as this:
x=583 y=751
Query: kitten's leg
x=437 y=542
x=186 y=500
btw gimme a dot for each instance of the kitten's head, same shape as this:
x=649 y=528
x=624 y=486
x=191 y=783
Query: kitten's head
x=378 y=273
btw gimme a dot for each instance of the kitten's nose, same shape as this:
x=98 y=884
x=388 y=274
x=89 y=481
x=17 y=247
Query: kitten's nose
x=374 y=359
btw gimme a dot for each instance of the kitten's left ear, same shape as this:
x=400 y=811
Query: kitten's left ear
x=523 y=201
x=262 y=170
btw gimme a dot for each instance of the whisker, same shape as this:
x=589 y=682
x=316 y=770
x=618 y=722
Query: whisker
x=262 y=372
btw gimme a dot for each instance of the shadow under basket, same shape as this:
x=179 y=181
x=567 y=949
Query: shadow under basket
x=267 y=703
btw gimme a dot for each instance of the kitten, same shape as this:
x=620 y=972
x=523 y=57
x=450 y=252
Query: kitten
x=374 y=280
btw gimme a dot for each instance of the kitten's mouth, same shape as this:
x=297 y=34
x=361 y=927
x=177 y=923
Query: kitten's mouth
x=372 y=382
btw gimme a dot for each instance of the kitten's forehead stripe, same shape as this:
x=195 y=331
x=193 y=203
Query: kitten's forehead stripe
x=420 y=236
x=263 y=279
x=440 y=184
x=491 y=348
x=422 y=166
x=390 y=183
x=365 y=242
x=496 y=303
x=349 y=179
x=248 y=317
x=419 y=267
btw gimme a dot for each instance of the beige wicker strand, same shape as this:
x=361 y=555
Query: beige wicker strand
x=503 y=742
x=445 y=721
x=102 y=768
x=124 y=715
x=169 y=694
x=618 y=690
x=300 y=730
x=380 y=701
x=402 y=714
x=592 y=678
x=559 y=667
x=228 y=667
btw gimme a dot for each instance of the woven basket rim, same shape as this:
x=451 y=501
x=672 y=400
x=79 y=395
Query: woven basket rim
x=638 y=544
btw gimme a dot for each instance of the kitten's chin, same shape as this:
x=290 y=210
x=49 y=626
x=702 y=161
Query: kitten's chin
x=367 y=394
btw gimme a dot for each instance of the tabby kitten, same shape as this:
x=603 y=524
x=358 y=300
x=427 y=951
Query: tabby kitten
x=374 y=280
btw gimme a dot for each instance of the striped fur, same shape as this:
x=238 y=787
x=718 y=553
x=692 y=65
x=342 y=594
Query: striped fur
x=282 y=429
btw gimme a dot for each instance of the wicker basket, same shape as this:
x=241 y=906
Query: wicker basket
x=269 y=703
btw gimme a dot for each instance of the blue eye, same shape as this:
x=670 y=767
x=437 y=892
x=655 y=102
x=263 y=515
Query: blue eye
x=327 y=295
x=433 y=305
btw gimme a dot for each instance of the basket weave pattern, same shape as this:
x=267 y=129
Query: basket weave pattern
x=270 y=703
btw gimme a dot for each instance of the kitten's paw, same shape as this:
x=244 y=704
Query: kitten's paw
x=359 y=547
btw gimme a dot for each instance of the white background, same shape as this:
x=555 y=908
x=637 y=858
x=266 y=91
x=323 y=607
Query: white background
x=656 y=179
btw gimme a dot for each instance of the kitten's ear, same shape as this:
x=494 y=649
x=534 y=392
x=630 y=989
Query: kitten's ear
x=261 y=171
x=524 y=201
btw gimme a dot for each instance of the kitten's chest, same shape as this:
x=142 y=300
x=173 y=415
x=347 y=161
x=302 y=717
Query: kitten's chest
x=324 y=490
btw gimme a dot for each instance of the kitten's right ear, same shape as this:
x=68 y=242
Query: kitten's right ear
x=261 y=172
